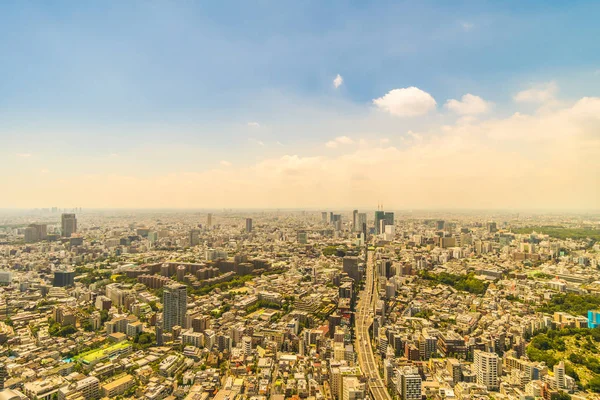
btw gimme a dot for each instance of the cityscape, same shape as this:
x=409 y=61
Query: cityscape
x=299 y=200
x=299 y=304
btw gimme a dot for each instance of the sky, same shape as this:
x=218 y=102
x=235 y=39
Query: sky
x=300 y=104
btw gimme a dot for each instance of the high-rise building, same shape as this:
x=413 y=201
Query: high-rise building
x=68 y=224
x=194 y=237
x=492 y=227
x=388 y=217
x=337 y=222
x=486 y=369
x=409 y=384
x=3 y=375
x=439 y=225
x=350 y=266
x=35 y=233
x=248 y=225
x=559 y=376
x=379 y=216
x=362 y=223
x=209 y=221
x=324 y=217
x=174 y=306
x=355 y=226
x=63 y=278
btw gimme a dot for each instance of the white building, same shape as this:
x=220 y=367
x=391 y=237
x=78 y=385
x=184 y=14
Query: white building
x=486 y=369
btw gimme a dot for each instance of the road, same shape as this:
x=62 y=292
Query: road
x=363 y=321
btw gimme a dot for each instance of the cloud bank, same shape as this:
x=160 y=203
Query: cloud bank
x=537 y=161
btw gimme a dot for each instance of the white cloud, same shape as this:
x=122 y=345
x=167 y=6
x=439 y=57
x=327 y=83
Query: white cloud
x=225 y=163
x=468 y=105
x=24 y=155
x=339 y=140
x=253 y=124
x=113 y=155
x=467 y=26
x=538 y=94
x=406 y=102
x=337 y=81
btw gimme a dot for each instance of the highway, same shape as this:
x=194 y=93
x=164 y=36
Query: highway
x=364 y=319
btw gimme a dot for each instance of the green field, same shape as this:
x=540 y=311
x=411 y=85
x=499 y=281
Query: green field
x=93 y=355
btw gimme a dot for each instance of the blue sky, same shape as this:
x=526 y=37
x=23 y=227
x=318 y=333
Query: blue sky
x=111 y=86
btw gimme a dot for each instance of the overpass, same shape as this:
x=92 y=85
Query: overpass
x=364 y=319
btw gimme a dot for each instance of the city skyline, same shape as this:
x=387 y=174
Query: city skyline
x=422 y=106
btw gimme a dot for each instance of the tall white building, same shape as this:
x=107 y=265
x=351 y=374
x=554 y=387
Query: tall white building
x=486 y=369
x=559 y=376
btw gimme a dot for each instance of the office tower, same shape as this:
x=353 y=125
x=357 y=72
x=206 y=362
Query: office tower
x=36 y=232
x=248 y=225
x=379 y=216
x=492 y=227
x=362 y=222
x=194 y=237
x=63 y=278
x=439 y=225
x=350 y=266
x=209 y=221
x=355 y=225
x=330 y=217
x=175 y=306
x=486 y=369
x=337 y=222
x=324 y=217
x=388 y=217
x=68 y=224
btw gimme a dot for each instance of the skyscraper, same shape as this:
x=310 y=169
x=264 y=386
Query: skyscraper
x=248 y=225
x=68 y=224
x=209 y=221
x=362 y=223
x=194 y=237
x=324 y=217
x=486 y=368
x=355 y=225
x=388 y=217
x=175 y=306
x=379 y=216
